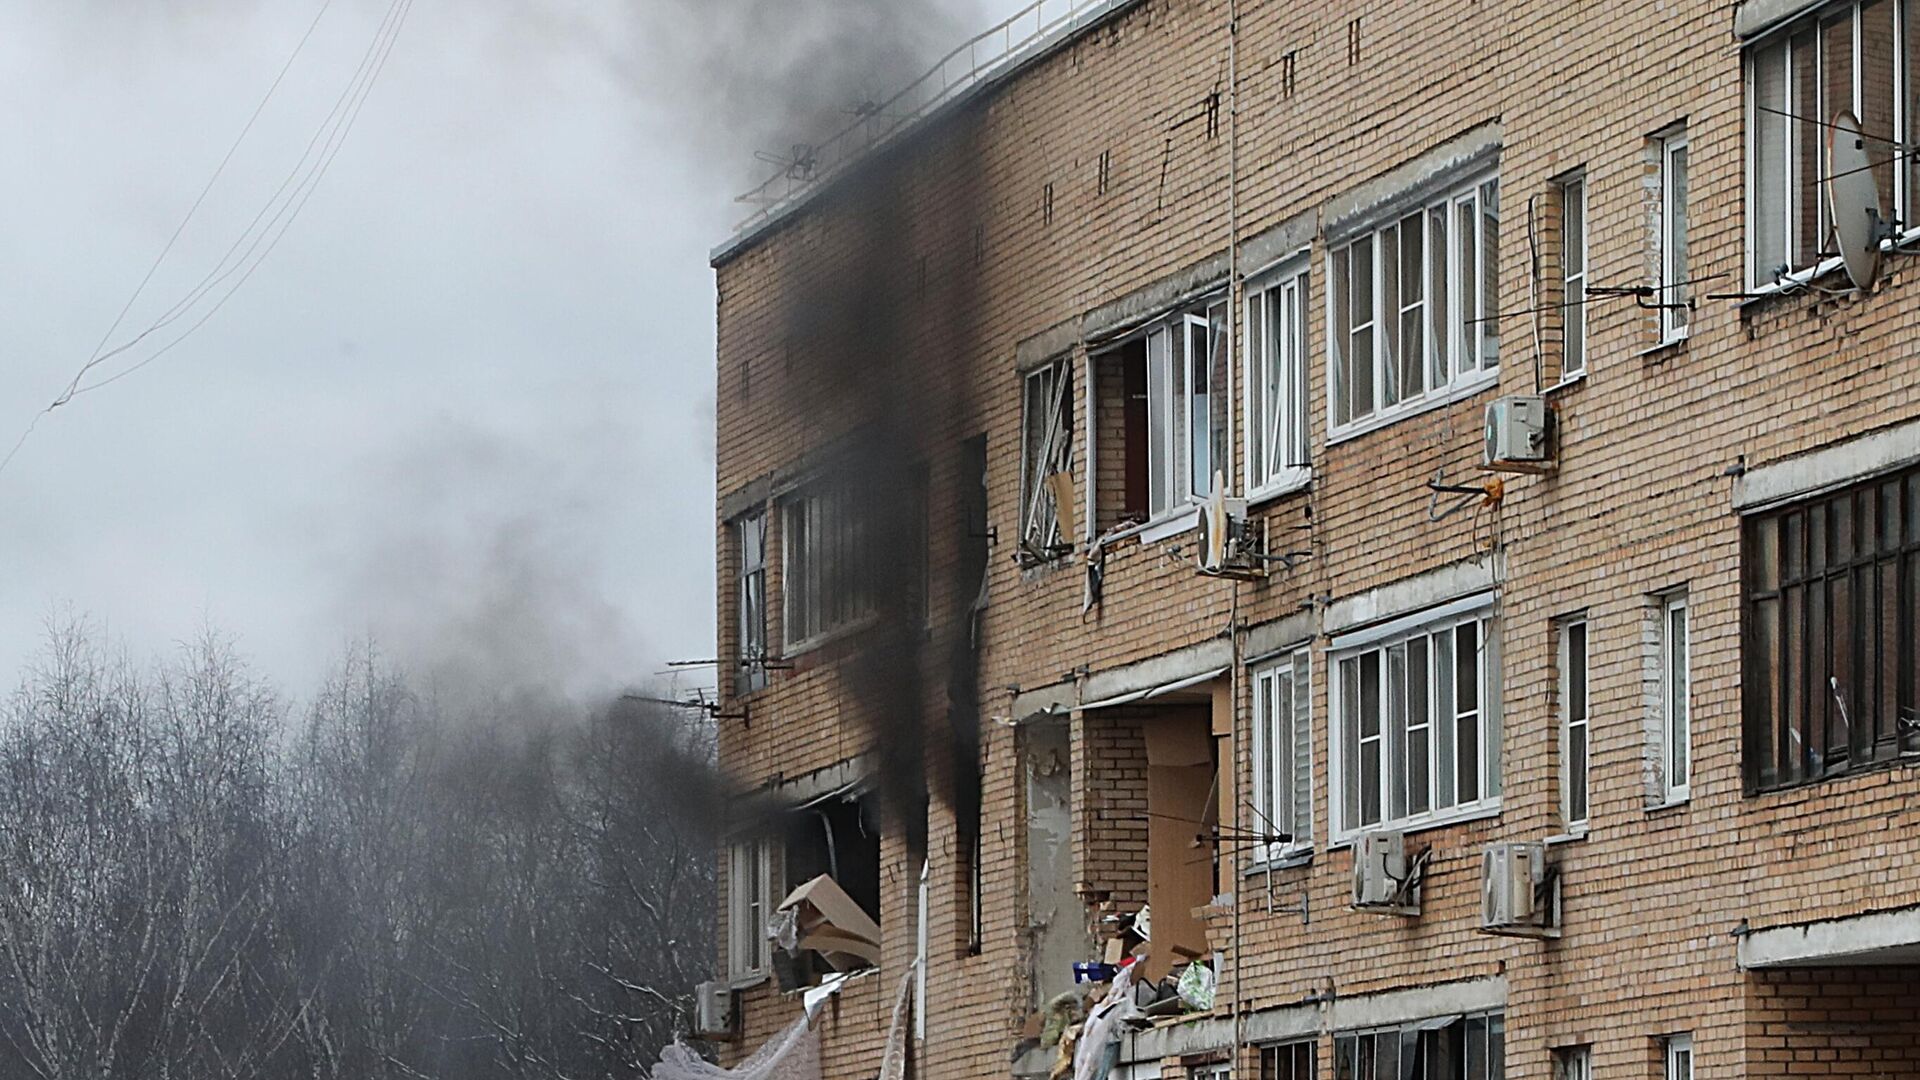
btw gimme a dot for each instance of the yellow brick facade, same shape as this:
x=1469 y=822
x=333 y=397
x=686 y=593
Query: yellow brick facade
x=1109 y=166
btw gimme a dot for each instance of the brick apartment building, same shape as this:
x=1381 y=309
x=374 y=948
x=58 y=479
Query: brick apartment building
x=977 y=386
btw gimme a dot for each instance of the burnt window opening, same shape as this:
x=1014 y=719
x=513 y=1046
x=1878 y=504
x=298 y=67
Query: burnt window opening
x=1046 y=465
x=841 y=839
x=1831 y=610
x=837 y=839
x=1158 y=396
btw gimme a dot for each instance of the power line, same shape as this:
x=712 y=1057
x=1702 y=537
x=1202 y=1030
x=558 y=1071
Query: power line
x=355 y=98
x=329 y=137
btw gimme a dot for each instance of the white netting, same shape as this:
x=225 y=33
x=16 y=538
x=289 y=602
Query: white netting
x=1103 y=1027
x=794 y=1055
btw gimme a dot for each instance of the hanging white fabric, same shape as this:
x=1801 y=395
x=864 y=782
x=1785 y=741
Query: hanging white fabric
x=793 y=1055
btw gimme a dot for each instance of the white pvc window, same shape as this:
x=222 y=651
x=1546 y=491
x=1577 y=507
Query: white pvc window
x=825 y=573
x=1417 y=734
x=1180 y=355
x=1575 y=745
x=749 y=903
x=1679 y=1055
x=1410 y=306
x=1676 y=683
x=1674 y=292
x=1853 y=56
x=1573 y=276
x=1283 y=756
x=1573 y=1063
x=1277 y=384
x=752 y=534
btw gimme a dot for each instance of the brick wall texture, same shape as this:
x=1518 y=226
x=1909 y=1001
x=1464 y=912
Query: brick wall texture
x=1322 y=99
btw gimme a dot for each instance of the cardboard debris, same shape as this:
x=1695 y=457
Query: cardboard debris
x=832 y=924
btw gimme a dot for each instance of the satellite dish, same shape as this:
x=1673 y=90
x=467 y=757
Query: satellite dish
x=1854 y=198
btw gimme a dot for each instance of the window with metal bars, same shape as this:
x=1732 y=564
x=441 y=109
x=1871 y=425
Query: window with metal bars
x=1287 y=1061
x=826 y=577
x=1443 y=1048
x=1832 y=605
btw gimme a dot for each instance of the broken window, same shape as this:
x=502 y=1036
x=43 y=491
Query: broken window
x=1418 y=732
x=749 y=903
x=1277 y=383
x=835 y=921
x=1046 y=502
x=1845 y=56
x=751 y=673
x=1832 y=599
x=1167 y=414
x=825 y=573
x=1443 y=1048
x=1288 y=1061
x=1283 y=757
x=1411 y=305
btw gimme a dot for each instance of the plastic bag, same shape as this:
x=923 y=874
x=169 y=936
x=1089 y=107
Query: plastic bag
x=1196 y=986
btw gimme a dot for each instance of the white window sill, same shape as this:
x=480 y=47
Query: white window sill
x=1571 y=836
x=1299 y=481
x=1479 y=811
x=1567 y=382
x=1673 y=801
x=800 y=648
x=747 y=980
x=1166 y=526
x=1290 y=860
x=1466 y=388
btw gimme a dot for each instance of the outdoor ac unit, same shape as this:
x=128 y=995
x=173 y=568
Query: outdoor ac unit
x=1519 y=891
x=1225 y=535
x=1381 y=877
x=1520 y=434
x=713 y=1010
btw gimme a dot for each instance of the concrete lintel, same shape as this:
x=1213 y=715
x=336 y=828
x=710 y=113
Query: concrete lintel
x=1827 y=468
x=1755 y=17
x=1150 y=301
x=1391 y=1007
x=1269 y=248
x=747 y=498
x=1046 y=346
x=1884 y=937
x=1197 y=659
x=1412 y=594
x=782 y=793
x=1385 y=195
x=1199 y=1036
x=1060 y=698
x=1269 y=638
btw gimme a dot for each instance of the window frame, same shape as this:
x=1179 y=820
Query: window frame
x=817 y=585
x=1278 y=456
x=743 y=970
x=1471 y=360
x=1571 y=627
x=1166 y=343
x=1573 y=1062
x=1267 y=1059
x=1673 y=1050
x=1572 y=190
x=750 y=593
x=1676 y=319
x=1427 y=626
x=1281 y=810
x=1416 y=1037
x=1905 y=177
x=1036 y=499
x=1676 y=724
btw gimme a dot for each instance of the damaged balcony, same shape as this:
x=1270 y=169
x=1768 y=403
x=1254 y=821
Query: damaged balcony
x=1123 y=803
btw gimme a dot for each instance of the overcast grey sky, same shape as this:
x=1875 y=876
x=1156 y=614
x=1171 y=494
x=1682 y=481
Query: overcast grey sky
x=465 y=405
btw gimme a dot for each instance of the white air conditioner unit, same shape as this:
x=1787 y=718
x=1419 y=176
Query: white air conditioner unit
x=1520 y=893
x=1383 y=877
x=1225 y=536
x=713 y=1010
x=1520 y=434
